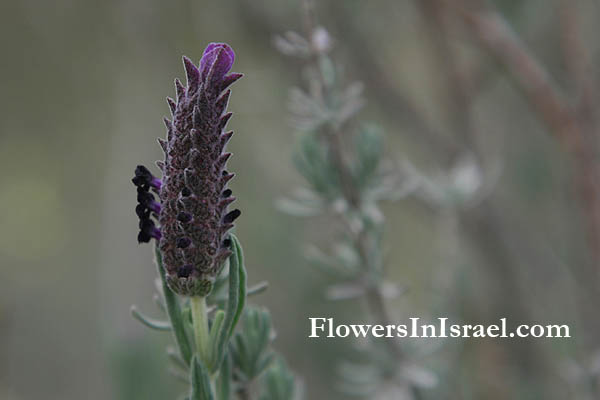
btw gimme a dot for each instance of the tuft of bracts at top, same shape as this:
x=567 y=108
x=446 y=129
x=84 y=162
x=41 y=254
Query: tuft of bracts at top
x=192 y=212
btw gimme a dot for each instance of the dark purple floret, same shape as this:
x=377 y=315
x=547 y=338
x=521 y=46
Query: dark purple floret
x=144 y=178
x=147 y=206
x=185 y=271
x=148 y=231
x=184 y=217
x=193 y=207
x=183 y=242
x=231 y=216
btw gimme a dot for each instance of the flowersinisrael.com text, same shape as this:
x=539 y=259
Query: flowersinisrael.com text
x=325 y=327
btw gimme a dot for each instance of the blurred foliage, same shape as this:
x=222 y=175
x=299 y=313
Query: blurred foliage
x=83 y=95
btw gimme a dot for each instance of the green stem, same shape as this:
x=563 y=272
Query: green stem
x=200 y=322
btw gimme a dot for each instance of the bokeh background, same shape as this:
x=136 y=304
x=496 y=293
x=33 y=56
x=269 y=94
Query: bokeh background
x=83 y=94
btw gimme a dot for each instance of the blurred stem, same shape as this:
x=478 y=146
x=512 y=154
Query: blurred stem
x=333 y=133
x=480 y=224
x=352 y=195
x=200 y=323
x=455 y=85
x=497 y=37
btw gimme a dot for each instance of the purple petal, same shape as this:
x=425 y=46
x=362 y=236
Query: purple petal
x=219 y=57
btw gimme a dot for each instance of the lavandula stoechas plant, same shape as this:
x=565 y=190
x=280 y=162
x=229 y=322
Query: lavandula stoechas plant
x=347 y=179
x=186 y=214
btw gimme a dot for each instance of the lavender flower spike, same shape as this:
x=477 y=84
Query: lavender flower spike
x=193 y=215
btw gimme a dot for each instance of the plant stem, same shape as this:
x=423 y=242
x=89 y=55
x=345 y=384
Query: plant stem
x=498 y=38
x=352 y=195
x=200 y=323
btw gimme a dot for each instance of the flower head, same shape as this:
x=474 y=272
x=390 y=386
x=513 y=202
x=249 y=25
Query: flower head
x=193 y=209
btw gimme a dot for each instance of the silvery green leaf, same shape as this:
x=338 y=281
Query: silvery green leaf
x=317 y=257
x=346 y=255
x=372 y=213
x=201 y=389
x=250 y=348
x=432 y=191
x=328 y=263
x=264 y=363
x=150 y=322
x=307 y=113
x=306 y=195
x=395 y=184
x=327 y=70
x=297 y=208
x=258 y=288
x=345 y=291
x=278 y=383
x=292 y=44
x=239 y=256
x=303 y=203
x=224 y=380
x=312 y=161
x=218 y=295
x=356 y=222
x=235 y=303
x=368 y=147
x=351 y=103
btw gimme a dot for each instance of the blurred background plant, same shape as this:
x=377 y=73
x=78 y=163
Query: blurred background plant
x=500 y=221
x=347 y=178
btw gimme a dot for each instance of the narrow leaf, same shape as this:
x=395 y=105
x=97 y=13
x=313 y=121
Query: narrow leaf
x=258 y=288
x=150 y=322
x=201 y=389
x=224 y=381
x=235 y=302
x=242 y=283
